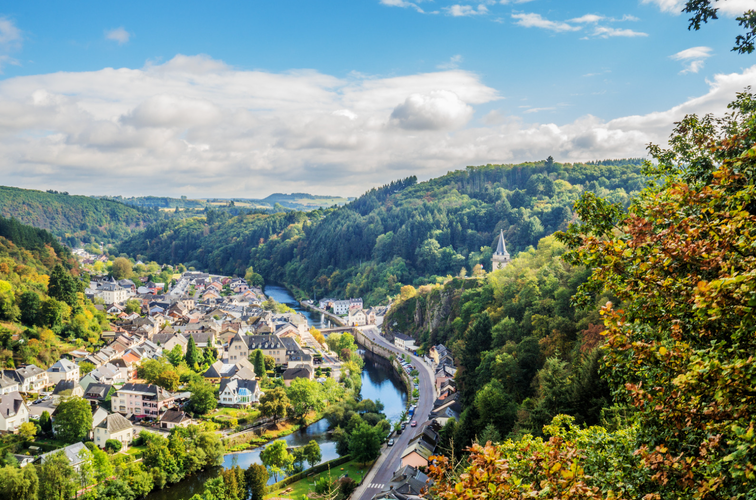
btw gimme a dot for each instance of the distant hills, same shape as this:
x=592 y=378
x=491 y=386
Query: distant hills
x=294 y=201
x=399 y=234
x=74 y=219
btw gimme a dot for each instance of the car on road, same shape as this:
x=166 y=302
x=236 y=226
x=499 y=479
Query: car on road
x=391 y=442
x=414 y=423
x=404 y=424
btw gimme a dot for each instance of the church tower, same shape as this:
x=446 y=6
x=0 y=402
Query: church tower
x=500 y=257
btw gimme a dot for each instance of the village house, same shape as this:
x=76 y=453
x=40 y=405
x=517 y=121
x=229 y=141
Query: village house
x=403 y=341
x=7 y=384
x=220 y=370
x=13 y=412
x=66 y=389
x=239 y=392
x=303 y=371
x=174 y=418
x=357 y=317
x=115 y=427
x=76 y=454
x=63 y=369
x=141 y=400
x=30 y=378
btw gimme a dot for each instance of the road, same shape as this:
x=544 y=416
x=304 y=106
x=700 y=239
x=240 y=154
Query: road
x=391 y=458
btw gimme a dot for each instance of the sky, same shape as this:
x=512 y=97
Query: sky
x=249 y=98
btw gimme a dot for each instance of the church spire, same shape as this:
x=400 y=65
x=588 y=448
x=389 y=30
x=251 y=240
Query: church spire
x=501 y=248
x=500 y=257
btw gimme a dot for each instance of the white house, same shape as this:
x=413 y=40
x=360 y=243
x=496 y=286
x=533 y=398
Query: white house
x=8 y=384
x=113 y=293
x=116 y=427
x=13 y=412
x=357 y=317
x=63 y=369
x=30 y=378
x=403 y=341
x=174 y=418
x=76 y=454
x=239 y=392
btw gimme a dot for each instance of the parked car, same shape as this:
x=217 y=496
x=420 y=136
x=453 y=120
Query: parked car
x=391 y=442
x=404 y=424
x=414 y=423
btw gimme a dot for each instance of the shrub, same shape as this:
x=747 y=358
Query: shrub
x=113 y=446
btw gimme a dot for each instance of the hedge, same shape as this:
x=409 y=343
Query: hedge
x=314 y=470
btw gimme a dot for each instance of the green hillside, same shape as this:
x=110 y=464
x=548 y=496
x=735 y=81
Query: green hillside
x=402 y=233
x=74 y=219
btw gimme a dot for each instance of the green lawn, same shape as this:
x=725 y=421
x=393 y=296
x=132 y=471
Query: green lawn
x=295 y=491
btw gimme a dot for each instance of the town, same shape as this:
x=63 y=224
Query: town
x=212 y=351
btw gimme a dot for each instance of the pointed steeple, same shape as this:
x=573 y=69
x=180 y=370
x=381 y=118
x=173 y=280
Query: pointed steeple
x=501 y=248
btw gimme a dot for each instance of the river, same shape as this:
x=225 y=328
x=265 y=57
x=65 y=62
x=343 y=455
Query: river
x=379 y=382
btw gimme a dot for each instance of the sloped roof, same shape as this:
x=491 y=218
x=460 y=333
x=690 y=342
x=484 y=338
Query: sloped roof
x=501 y=247
x=10 y=404
x=115 y=422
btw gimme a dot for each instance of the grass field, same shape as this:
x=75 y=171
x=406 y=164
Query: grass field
x=295 y=491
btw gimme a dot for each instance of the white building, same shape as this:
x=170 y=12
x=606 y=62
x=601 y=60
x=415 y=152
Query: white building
x=113 y=293
x=63 y=369
x=403 y=341
x=13 y=412
x=30 y=378
x=116 y=427
x=239 y=392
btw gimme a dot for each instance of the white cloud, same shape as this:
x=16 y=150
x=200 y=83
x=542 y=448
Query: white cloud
x=402 y=3
x=730 y=8
x=196 y=126
x=119 y=35
x=588 y=18
x=438 y=110
x=452 y=63
x=466 y=10
x=538 y=110
x=10 y=40
x=604 y=32
x=692 y=58
x=531 y=20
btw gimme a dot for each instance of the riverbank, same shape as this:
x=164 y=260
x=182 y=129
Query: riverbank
x=339 y=321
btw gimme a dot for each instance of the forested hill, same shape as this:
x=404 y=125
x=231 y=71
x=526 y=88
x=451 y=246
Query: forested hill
x=402 y=233
x=74 y=219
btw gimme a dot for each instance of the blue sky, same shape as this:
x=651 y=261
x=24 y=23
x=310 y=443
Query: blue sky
x=248 y=98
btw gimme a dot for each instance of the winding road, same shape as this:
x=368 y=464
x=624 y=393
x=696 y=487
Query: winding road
x=391 y=457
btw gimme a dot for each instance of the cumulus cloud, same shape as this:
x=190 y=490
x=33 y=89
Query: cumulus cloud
x=588 y=18
x=532 y=20
x=198 y=127
x=692 y=58
x=466 y=10
x=439 y=110
x=119 y=35
x=401 y=3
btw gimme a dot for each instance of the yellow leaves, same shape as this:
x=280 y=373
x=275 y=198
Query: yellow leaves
x=663 y=351
x=556 y=467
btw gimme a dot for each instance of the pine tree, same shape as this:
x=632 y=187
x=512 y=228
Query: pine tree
x=193 y=354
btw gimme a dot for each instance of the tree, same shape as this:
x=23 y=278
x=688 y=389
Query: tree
x=364 y=444
x=45 y=423
x=30 y=307
x=193 y=354
x=270 y=362
x=203 y=399
x=27 y=431
x=274 y=403
x=175 y=356
x=312 y=453
x=256 y=479
x=703 y=11
x=133 y=306
x=57 y=478
x=113 y=446
x=18 y=484
x=73 y=419
x=8 y=309
x=258 y=361
x=85 y=367
x=276 y=458
x=681 y=261
x=305 y=396
x=63 y=286
x=121 y=268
